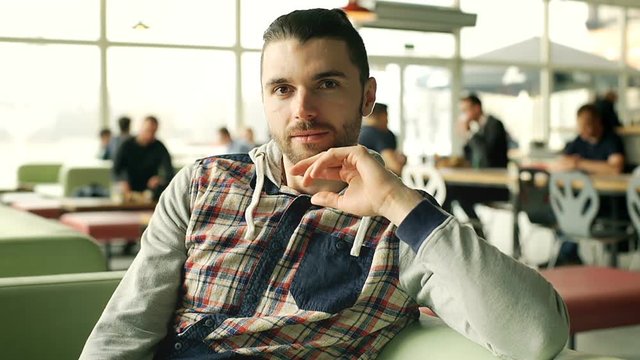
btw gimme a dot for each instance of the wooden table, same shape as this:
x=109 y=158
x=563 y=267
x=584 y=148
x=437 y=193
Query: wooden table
x=605 y=184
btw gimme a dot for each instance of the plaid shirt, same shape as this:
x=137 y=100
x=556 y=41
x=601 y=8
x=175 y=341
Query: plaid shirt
x=294 y=290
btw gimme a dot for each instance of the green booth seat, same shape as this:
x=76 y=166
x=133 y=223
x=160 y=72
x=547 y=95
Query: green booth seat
x=50 y=317
x=31 y=245
x=430 y=338
x=32 y=174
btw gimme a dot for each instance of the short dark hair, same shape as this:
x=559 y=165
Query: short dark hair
x=224 y=132
x=379 y=108
x=124 y=124
x=105 y=132
x=472 y=98
x=304 y=25
x=589 y=108
x=152 y=119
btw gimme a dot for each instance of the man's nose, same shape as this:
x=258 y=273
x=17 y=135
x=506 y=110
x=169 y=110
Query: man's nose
x=304 y=105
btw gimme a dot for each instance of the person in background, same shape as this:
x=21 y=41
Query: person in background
x=143 y=162
x=104 y=152
x=594 y=150
x=375 y=135
x=124 y=125
x=249 y=137
x=308 y=247
x=486 y=138
x=233 y=146
x=606 y=106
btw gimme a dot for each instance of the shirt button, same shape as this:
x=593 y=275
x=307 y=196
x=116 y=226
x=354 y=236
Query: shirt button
x=208 y=323
x=341 y=245
x=177 y=346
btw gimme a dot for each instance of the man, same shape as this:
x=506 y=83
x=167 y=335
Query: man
x=375 y=135
x=487 y=139
x=143 y=162
x=104 y=153
x=124 y=124
x=233 y=146
x=292 y=251
x=606 y=106
x=593 y=150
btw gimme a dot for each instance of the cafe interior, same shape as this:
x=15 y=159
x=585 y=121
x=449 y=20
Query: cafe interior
x=70 y=69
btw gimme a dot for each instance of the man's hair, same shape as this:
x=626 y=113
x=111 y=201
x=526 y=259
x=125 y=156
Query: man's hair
x=105 y=132
x=304 y=25
x=589 y=108
x=124 y=124
x=472 y=98
x=224 y=132
x=152 y=119
x=379 y=108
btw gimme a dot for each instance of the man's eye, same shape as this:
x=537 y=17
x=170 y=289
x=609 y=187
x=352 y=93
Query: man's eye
x=281 y=90
x=328 y=84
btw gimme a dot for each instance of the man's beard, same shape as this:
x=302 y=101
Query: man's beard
x=347 y=137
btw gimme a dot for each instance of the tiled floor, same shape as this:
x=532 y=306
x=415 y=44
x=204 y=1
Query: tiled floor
x=620 y=342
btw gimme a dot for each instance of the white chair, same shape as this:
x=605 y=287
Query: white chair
x=575 y=203
x=426 y=178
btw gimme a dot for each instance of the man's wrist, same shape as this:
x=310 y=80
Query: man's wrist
x=399 y=203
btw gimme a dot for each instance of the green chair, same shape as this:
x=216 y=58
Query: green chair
x=30 y=175
x=31 y=245
x=74 y=177
x=50 y=317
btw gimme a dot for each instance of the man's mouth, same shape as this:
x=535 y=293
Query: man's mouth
x=309 y=136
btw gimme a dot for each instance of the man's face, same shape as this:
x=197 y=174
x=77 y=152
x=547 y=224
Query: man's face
x=312 y=96
x=589 y=127
x=470 y=110
x=147 y=132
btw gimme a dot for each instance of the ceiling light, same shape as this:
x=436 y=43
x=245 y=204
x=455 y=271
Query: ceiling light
x=357 y=13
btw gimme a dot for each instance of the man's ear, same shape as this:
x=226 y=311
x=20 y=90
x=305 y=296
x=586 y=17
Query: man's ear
x=369 y=97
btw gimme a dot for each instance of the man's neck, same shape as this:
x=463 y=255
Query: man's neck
x=295 y=182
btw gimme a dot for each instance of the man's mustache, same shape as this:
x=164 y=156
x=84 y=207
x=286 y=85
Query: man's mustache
x=310 y=125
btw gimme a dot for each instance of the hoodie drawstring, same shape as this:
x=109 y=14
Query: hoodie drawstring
x=255 y=197
x=360 y=234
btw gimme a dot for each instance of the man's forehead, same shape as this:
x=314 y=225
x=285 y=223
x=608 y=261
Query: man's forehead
x=319 y=54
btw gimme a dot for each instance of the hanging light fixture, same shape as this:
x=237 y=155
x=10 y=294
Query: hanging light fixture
x=357 y=13
x=140 y=26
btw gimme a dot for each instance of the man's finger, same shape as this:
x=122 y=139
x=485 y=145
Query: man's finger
x=301 y=166
x=326 y=199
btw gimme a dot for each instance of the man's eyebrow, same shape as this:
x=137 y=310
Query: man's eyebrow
x=276 y=81
x=330 y=73
x=318 y=76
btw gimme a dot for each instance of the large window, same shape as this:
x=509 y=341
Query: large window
x=192 y=22
x=427 y=110
x=48 y=104
x=60 y=19
x=500 y=24
x=191 y=91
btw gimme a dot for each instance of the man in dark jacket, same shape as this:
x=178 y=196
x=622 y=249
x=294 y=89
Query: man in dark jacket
x=486 y=136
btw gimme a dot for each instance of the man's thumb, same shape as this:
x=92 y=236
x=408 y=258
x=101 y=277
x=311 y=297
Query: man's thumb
x=326 y=199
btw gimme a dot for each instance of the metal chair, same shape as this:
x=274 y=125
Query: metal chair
x=426 y=178
x=633 y=205
x=575 y=204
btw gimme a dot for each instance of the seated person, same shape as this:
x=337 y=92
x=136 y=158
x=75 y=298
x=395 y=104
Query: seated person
x=231 y=145
x=487 y=140
x=143 y=162
x=307 y=247
x=593 y=150
x=376 y=136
